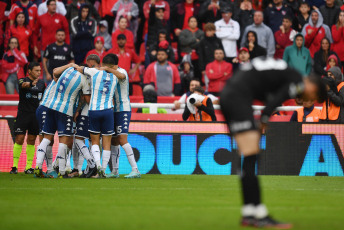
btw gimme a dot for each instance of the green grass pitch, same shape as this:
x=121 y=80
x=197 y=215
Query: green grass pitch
x=163 y=202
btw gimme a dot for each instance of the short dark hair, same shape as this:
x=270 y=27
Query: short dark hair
x=199 y=89
x=60 y=30
x=191 y=18
x=49 y=1
x=161 y=49
x=110 y=59
x=195 y=79
x=304 y=3
x=322 y=92
x=93 y=57
x=287 y=17
x=32 y=65
x=219 y=49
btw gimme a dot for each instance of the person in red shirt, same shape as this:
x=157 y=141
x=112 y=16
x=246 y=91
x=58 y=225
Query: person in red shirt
x=218 y=72
x=338 y=37
x=99 y=48
x=163 y=75
x=125 y=59
x=122 y=29
x=158 y=4
x=49 y=23
x=28 y=8
x=181 y=14
x=22 y=31
x=284 y=36
x=12 y=65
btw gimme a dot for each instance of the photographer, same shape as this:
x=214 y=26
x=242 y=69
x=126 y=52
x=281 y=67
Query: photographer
x=199 y=107
x=332 y=110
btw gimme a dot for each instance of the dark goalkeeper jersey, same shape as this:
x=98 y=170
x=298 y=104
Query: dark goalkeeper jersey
x=29 y=98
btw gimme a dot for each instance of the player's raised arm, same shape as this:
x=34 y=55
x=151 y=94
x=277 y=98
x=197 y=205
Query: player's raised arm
x=59 y=70
x=114 y=71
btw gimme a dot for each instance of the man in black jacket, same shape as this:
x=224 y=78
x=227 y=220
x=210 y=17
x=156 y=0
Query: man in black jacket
x=330 y=13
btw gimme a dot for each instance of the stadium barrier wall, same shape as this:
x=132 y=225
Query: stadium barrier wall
x=205 y=148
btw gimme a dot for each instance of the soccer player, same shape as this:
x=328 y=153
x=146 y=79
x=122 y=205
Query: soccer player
x=101 y=119
x=81 y=120
x=41 y=114
x=271 y=81
x=31 y=90
x=122 y=115
x=60 y=115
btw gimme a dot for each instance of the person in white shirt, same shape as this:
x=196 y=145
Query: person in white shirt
x=228 y=31
x=60 y=8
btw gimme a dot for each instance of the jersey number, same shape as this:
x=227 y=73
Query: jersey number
x=62 y=86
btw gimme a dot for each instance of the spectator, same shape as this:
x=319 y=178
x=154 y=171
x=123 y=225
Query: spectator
x=210 y=10
x=263 y=33
x=83 y=30
x=333 y=107
x=150 y=96
x=162 y=44
x=303 y=16
x=314 y=31
x=158 y=4
x=306 y=114
x=293 y=5
x=228 y=31
x=186 y=72
x=12 y=65
x=99 y=48
x=57 y=54
x=315 y=3
x=201 y=109
x=218 y=72
x=338 y=37
x=298 y=57
x=29 y=9
x=103 y=32
x=193 y=83
x=73 y=10
x=126 y=57
x=22 y=31
x=156 y=23
x=284 y=37
x=321 y=57
x=163 y=75
x=330 y=13
x=244 y=15
x=122 y=29
x=60 y=8
x=251 y=44
x=243 y=57
x=46 y=27
x=332 y=61
x=189 y=40
x=129 y=10
x=207 y=47
x=181 y=14
x=273 y=15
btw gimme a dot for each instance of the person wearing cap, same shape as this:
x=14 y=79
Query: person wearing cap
x=83 y=30
x=163 y=75
x=127 y=57
x=122 y=29
x=333 y=108
x=162 y=43
x=210 y=10
x=57 y=54
x=243 y=56
x=228 y=31
x=103 y=31
x=99 y=49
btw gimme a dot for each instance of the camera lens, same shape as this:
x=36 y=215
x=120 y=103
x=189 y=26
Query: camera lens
x=192 y=100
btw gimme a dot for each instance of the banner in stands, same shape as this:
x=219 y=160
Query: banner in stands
x=205 y=148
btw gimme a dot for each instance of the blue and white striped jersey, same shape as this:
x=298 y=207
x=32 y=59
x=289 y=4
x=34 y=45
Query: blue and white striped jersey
x=103 y=85
x=48 y=94
x=67 y=89
x=121 y=98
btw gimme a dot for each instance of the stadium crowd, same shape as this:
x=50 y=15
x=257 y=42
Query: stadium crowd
x=169 y=43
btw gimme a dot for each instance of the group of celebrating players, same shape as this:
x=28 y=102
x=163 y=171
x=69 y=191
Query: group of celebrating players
x=82 y=102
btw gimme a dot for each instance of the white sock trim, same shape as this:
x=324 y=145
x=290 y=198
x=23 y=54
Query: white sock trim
x=261 y=211
x=248 y=210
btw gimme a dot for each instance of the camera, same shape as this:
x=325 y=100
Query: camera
x=192 y=101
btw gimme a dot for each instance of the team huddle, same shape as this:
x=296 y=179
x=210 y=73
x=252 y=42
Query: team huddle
x=86 y=102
